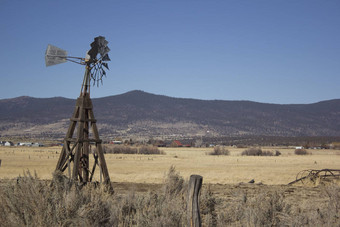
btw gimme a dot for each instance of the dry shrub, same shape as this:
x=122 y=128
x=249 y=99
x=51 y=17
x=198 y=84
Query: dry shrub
x=231 y=213
x=173 y=183
x=264 y=209
x=332 y=212
x=270 y=208
x=208 y=204
x=149 y=150
x=29 y=201
x=122 y=149
x=119 y=149
x=328 y=215
x=219 y=151
x=252 y=152
x=300 y=152
x=258 y=152
x=166 y=208
x=267 y=153
x=33 y=202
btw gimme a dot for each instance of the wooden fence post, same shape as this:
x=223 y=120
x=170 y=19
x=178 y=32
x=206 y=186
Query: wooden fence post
x=193 y=210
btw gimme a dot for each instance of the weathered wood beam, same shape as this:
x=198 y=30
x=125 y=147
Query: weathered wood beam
x=193 y=211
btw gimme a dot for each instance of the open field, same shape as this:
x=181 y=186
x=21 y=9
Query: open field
x=232 y=169
x=140 y=198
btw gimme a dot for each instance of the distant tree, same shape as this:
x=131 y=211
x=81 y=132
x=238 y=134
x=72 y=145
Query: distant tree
x=324 y=146
x=198 y=143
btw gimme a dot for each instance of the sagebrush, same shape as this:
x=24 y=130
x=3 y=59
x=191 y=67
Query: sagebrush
x=218 y=150
x=29 y=201
x=259 y=152
x=123 y=149
x=300 y=152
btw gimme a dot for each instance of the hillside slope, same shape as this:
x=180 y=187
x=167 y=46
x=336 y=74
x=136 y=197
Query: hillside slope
x=138 y=113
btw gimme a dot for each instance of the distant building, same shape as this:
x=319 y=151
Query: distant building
x=299 y=148
x=159 y=143
x=27 y=144
x=176 y=143
x=335 y=145
x=8 y=144
x=116 y=142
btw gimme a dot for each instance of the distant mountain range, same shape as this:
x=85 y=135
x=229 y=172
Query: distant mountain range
x=141 y=114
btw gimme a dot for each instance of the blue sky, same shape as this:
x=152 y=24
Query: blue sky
x=283 y=51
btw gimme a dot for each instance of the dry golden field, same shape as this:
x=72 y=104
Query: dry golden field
x=140 y=198
x=232 y=169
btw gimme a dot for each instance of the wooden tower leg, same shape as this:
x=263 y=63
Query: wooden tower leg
x=65 y=153
x=86 y=145
x=77 y=150
x=80 y=139
x=99 y=150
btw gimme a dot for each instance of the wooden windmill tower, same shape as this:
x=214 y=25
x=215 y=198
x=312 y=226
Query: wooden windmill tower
x=82 y=139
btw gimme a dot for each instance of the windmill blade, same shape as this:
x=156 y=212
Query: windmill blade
x=99 y=46
x=106 y=58
x=105 y=65
x=54 y=55
x=104 y=50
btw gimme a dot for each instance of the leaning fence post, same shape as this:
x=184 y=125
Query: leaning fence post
x=193 y=211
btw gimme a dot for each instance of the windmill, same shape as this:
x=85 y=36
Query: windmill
x=76 y=151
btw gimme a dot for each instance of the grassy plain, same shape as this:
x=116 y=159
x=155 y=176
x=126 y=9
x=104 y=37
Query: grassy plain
x=232 y=169
x=141 y=198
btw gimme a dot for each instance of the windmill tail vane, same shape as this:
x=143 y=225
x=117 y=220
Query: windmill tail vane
x=54 y=55
x=95 y=61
